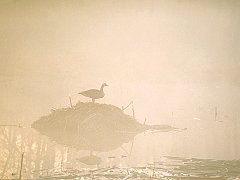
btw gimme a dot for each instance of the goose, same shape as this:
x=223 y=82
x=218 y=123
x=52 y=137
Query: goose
x=94 y=93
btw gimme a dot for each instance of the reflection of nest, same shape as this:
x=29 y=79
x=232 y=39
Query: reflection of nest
x=89 y=126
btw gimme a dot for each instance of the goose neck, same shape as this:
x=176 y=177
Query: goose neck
x=101 y=89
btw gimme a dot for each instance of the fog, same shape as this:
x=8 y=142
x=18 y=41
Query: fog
x=178 y=61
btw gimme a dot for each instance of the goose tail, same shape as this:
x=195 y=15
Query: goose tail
x=81 y=92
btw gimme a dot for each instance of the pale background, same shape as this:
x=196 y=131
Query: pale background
x=177 y=60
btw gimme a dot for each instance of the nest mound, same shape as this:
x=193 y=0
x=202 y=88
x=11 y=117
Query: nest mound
x=89 y=126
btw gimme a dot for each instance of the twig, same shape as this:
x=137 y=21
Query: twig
x=123 y=108
x=133 y=111
x=9 y=125
x=20 y=173
x=131 y=147
x=70 y=100
x=124 y=150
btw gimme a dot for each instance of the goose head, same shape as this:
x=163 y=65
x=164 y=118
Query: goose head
x=104 y=84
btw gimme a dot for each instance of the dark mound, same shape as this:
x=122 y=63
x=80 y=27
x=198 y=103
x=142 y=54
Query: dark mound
x=89 y=126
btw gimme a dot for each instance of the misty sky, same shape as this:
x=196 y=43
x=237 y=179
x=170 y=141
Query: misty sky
x=177 y=60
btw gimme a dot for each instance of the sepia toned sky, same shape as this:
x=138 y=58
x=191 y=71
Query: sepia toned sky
x=177 y=60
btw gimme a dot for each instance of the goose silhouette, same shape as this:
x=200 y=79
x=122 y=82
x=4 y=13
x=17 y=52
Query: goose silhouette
x=94 y=93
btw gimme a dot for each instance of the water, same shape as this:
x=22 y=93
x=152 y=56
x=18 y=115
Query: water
x=166 y=168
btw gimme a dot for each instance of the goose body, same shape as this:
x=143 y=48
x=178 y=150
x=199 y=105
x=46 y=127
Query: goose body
x=94 y=93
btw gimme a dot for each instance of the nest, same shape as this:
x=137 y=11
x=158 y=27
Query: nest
x=89 y=126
